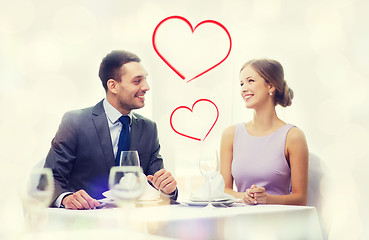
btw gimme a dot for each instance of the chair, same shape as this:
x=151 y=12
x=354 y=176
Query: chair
x=318 y=172
x=39 y=164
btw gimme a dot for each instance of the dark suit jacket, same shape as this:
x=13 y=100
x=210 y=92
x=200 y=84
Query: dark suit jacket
x=81 y=152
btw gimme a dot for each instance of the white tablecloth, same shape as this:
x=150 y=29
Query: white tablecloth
x=184 y=222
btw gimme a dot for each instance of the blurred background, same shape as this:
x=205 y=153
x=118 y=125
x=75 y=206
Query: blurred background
x=50 y=53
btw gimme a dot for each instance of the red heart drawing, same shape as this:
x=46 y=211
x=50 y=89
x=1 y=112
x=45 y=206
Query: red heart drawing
x=193 y=30
x=191 y=109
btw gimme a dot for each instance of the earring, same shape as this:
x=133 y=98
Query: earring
x=271 y=93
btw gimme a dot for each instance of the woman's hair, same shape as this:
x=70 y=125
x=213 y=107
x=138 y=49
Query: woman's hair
x=272 y=72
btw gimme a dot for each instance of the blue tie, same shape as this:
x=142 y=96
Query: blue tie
x=123 y=144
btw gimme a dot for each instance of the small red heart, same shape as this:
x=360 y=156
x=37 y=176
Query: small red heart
x=193 y=30
x=191 y=109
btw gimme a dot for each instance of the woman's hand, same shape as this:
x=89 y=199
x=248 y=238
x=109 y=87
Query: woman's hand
x=255 y=195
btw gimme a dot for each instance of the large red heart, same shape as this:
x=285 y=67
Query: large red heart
x=191 y=109
x=193 y=30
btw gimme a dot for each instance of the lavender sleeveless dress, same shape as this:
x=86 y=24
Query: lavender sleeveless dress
x=261 y=161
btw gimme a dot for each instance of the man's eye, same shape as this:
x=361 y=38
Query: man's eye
x=251 y=80
x=241 y=84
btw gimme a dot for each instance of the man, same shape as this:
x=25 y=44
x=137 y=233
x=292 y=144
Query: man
x=86 y=144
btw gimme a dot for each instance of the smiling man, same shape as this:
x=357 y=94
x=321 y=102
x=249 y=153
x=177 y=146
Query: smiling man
x=88 y=141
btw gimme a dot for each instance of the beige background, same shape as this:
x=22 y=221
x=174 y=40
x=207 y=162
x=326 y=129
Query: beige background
x=50 y=52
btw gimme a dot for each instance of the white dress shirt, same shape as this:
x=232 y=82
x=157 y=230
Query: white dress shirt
x=115 y=126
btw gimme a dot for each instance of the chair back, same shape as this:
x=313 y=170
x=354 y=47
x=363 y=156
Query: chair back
x=39 y=164
x=318 y=172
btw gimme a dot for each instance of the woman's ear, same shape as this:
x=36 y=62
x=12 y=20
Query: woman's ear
x=271 y=88
x=112 y=85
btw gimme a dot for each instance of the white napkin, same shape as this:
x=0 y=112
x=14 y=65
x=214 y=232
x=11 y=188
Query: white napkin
x=149 y=193
x=217 y=190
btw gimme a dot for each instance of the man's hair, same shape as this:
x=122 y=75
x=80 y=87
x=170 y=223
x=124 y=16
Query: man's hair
x=110 y=67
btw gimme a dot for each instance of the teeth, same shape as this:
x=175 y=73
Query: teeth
x=142 y=97
x=248 y=96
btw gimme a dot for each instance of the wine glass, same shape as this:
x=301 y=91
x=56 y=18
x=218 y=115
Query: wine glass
x=37 y=194
x=129 y=158
x=39 y=189
x=209 y=167
x=127 y=184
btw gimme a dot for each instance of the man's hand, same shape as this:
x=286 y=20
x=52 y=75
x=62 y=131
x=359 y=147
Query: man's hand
x=79 y=200
x=164 y=181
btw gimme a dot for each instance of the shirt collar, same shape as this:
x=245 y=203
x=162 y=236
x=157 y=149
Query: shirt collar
x=113 y=114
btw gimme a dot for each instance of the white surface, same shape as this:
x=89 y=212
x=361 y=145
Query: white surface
x=184 y=222
x=91 y=234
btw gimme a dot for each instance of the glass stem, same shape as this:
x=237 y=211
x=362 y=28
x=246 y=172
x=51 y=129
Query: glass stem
x=209 y=190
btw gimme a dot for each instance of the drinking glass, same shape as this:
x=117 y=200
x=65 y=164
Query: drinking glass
x=36 y=194
x=209 y=167
x=129 y=158
x=127 y=184
x=39 y=189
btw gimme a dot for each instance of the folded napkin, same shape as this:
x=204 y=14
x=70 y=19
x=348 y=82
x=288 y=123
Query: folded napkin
x=149 y=192
x=217 y=190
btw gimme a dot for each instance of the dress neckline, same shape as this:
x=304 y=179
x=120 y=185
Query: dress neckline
x=270 y=134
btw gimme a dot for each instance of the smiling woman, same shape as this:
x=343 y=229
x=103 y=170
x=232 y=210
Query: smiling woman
x=269 y=73
x=266 y=157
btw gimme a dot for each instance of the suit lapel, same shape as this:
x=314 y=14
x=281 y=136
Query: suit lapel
x=103 y=133
x=136 y=130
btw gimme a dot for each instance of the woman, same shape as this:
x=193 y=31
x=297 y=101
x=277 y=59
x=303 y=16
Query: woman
x=267 y=158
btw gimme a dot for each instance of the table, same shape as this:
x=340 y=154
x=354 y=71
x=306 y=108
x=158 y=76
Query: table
x=184 y=222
